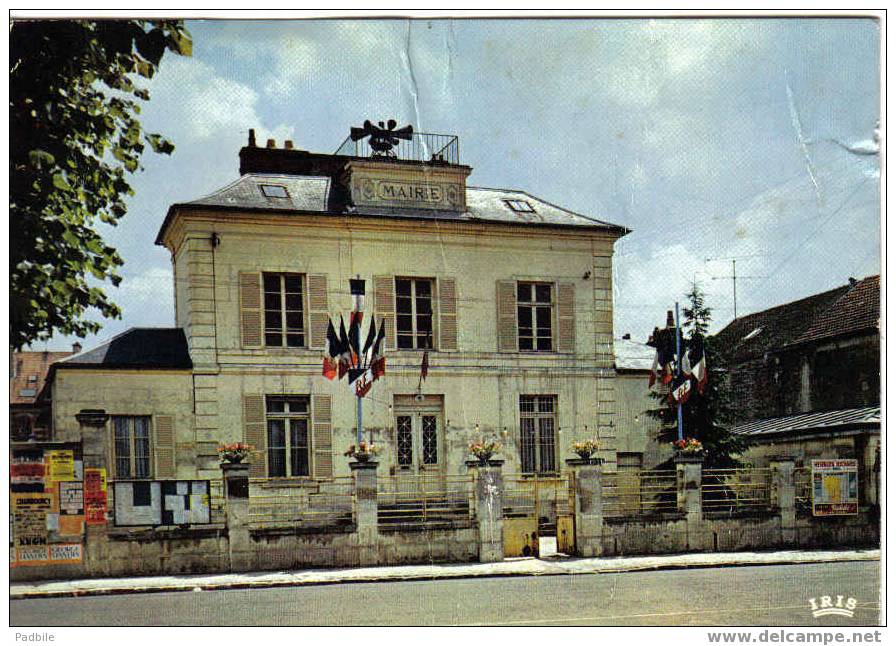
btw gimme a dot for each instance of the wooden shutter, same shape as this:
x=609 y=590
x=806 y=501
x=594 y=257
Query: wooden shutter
x=322 y=436
x=505 y=297
x=566 y=317
x=254 y=434
x=447 y=314
x=384 y=306
x=250 y=309
x=318 y=313
x=163 y=446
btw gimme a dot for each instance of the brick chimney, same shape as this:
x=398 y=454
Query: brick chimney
x=76 y=347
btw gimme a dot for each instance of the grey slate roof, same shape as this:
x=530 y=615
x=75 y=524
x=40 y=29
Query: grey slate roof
x=146 y=348
x=633 y=355
x=315 y=194
x=804 y=422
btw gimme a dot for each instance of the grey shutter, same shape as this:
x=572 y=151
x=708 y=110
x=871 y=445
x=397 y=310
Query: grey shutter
x=250 y=309
x=384 y=306
x=318 y=313
x=254 y=433
x=322 y=436
x=566 y=317
x=447 y=314
x=505 y=297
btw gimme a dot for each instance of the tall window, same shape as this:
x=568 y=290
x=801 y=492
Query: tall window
x=131 y=446
x=413 y=312
x=289 y=451
x=284 y=317
x=534 y=313
x=538 y=433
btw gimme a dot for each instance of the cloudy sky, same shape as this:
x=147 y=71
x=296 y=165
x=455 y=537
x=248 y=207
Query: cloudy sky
x=710 y=139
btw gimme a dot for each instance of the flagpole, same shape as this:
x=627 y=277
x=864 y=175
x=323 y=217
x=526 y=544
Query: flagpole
x=678 y=369
x=360 y=419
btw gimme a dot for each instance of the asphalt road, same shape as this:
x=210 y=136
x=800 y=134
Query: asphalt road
x=763 y=595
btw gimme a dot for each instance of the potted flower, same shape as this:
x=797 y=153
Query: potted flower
x=586 y=448
x=234 y=453
x=688 y=446
x=483 y=450
x=363 y=453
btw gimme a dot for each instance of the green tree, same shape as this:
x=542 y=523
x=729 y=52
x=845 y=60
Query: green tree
x=74 y=140
x=707 y=416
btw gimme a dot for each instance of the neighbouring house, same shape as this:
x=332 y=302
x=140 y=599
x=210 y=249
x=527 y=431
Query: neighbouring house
x=805 y=379
x=28 y=419
x=513 y=293
x=638 y=441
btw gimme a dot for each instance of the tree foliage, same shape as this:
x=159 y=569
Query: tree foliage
x=74 y=140
x=707 y=416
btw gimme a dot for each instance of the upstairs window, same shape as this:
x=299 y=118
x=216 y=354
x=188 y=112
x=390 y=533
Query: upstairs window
x=274 y=190
x=413 y=313
x=284 y=315
x=535 y=313
x=520 y=206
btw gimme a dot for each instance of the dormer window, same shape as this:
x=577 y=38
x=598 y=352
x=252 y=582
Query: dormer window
x=519 y=206
x=274 y=190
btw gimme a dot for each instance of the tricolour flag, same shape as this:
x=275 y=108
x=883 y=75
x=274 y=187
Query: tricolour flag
x=368 y=344
x=356 y=287
x=331 y=356
x=378 y=360
x=345 y=349
x=697 y=359
x=364 y=382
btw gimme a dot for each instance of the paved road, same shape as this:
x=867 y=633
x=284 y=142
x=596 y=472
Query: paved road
x=762 y=595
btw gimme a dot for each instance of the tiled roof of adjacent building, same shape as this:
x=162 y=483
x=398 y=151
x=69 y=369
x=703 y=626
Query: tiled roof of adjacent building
x=30 y=373
x=804 y=422
x=144 y=348
x=856 y=311
x=843 y=310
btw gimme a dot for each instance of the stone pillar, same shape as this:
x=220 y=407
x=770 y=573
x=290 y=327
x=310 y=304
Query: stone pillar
x=589 y=509
x=783 y=474
x=490 y=511
x=92 y=424
x=236 y=495
x=366 y=520
x=689 y=470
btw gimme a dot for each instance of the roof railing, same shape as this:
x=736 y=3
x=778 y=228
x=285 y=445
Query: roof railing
x=422 y=147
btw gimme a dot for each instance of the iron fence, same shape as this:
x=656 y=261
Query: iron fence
x=275 y=502
x=737 y=490
x=414 y=500
x=422 y=146
x=637 y=493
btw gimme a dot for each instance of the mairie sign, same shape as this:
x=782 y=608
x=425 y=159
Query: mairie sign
x=403 y=193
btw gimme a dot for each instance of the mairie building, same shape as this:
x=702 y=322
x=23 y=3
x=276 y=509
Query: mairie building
x=511 y=295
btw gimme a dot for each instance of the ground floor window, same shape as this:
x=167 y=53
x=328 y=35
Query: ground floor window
x=289 y=448
x=131 y=445
x=538 y=433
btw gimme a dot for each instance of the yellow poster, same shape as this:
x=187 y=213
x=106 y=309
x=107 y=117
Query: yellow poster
x=60 y=465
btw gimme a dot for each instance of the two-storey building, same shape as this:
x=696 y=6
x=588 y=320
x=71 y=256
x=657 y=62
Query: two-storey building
x=512 y=296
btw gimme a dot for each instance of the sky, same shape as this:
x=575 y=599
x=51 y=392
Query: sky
x=712 y=139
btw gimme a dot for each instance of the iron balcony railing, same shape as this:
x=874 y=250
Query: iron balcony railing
x=422 y=146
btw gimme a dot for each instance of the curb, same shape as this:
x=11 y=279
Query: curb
x=872 y=555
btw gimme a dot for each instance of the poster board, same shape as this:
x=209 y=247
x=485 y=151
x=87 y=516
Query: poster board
x=161 y=502
x=835 y=487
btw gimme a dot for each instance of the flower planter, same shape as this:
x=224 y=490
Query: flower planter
x=574 y=462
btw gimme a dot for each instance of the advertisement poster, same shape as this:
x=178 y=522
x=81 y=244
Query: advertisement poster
x=27 y=470
x=31 y=513
x=60 y=465
x=95 y=500
x=835 y=487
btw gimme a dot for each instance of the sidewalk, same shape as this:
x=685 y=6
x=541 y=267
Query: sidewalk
x=510 y=567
